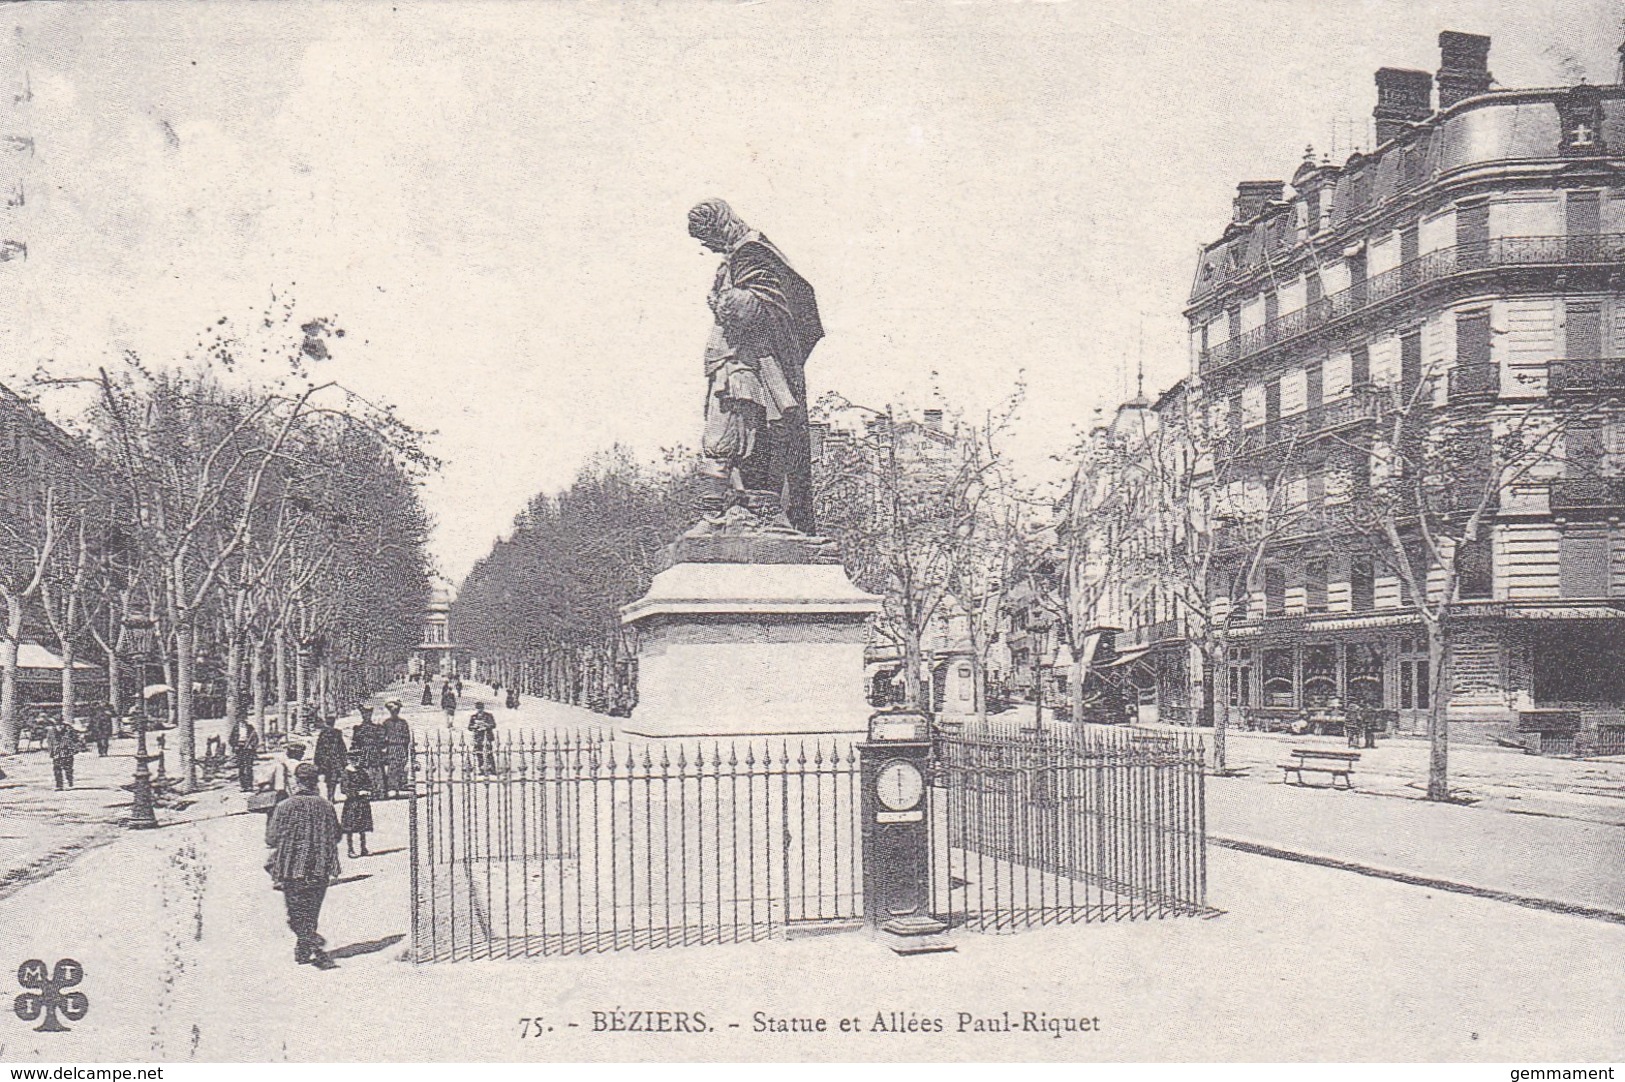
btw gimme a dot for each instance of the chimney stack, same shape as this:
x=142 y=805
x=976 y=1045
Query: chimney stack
x=1253 y=195
x=933 y=420
x=1463 y=66
x=1404 y=97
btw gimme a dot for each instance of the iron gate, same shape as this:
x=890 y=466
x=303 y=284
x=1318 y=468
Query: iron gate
x=1080 y=824
x=563 y=844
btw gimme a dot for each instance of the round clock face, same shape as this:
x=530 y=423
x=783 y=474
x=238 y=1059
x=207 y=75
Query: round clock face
x=899 y=785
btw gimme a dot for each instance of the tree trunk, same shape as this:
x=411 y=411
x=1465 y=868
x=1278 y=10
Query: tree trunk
x=1221 y=707
x=115 y=688
x=301 y=686
x=185 y=646
x=256 y=674
x=913 y=686
x=9 y=722
x=170 y=697
x=234 y=684
x=69 y=696
x=1439 y=660
x=1079 y=673
x=281 y=666
x=1038 y=695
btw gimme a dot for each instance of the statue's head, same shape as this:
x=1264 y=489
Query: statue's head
x=714 y=224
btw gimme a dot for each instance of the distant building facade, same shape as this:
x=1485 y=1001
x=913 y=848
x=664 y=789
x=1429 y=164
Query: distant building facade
x=439 y=653
x=1477 y=251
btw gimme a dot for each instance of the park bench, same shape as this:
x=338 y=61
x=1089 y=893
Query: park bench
x=1338 y=764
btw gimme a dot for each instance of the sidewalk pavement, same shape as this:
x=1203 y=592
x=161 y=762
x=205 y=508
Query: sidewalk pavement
x=42 y=829
x=1569 y=862
x=1495 y=778
x=186 y=956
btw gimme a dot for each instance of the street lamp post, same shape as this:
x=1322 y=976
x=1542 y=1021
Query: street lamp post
x=142 y=639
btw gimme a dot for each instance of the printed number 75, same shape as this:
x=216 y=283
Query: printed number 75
x=530 y=1027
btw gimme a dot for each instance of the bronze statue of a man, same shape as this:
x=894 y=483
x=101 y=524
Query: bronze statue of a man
x=767 y=323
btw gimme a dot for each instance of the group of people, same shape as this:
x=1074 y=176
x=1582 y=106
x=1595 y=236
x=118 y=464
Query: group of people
x=450 y=688
x=511 y=699
x=63 y=742
x=304 y=828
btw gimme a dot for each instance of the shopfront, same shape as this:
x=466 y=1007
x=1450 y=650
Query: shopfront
x=1315 y=673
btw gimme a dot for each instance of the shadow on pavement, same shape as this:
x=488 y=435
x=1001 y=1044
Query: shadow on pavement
x=371 y=946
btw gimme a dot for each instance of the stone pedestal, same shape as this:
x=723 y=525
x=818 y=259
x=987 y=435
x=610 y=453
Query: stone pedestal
x=734 y=648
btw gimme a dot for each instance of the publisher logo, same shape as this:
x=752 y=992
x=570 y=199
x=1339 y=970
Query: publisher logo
x=49 y=995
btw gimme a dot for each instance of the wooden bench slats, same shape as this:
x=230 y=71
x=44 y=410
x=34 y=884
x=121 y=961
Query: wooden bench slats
x=1339 y=764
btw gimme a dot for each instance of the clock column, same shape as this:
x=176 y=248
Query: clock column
x=894 y=766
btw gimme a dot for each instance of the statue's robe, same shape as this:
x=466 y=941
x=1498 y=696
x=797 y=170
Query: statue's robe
x=756 y=409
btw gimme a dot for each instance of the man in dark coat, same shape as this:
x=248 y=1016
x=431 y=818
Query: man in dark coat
x=767 y=323
x=62 y=741
x=368 y=740
x=101 y=729
x=245 y=748
x=448 y=703
x=303 y=833
x=331 y=755
x=397 y=751
x=484 y=727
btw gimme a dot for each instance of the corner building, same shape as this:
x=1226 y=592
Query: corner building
x=1479 y=247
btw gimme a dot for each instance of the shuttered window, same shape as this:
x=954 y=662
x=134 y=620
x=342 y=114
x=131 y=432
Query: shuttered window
x=1583 y=336
x=1362 y=584
x=1360 y=366
x=1410 y=363
x=1583 y=563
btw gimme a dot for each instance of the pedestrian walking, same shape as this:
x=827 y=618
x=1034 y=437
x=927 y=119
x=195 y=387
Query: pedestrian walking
x=62 y=741
x=397 y=750
x=245 y=750
x=513 y=699
x=368 y=740
x=101 y=729
x=303 y=834
x=357 y=818
x=459 y=681
x=284 y=769
x=484 y=727
x=448 y=703
x=428 y=692
x=331 y=755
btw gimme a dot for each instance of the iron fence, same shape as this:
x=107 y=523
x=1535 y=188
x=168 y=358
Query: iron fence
x=1067 y=825
x=559 y=845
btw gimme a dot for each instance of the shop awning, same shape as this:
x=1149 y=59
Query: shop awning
x=1565 y=612
x=1132 y=654
x=1358 y=623
x=31 y=655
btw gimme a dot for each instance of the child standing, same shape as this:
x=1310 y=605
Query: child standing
x=357 y=819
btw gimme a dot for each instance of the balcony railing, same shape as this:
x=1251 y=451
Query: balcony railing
x=1604 y=248
x=1280 y=526
x=1363 y=404
x=1592 y=375
x=1571 y=495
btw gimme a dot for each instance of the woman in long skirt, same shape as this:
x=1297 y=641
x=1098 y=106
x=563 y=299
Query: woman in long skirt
x=357 y=818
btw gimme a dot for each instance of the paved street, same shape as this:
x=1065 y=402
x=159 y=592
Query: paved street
x=43 y=830
x=186 y=957
x=187 y=954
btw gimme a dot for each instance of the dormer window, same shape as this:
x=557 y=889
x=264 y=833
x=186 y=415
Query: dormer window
x=1580 y=113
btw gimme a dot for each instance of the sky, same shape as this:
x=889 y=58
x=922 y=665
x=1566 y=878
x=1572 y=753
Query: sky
x=491 y=197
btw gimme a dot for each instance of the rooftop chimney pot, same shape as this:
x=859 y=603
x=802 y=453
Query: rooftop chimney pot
x=1463 y=66
x=1253 y=196
x=1404 y=97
